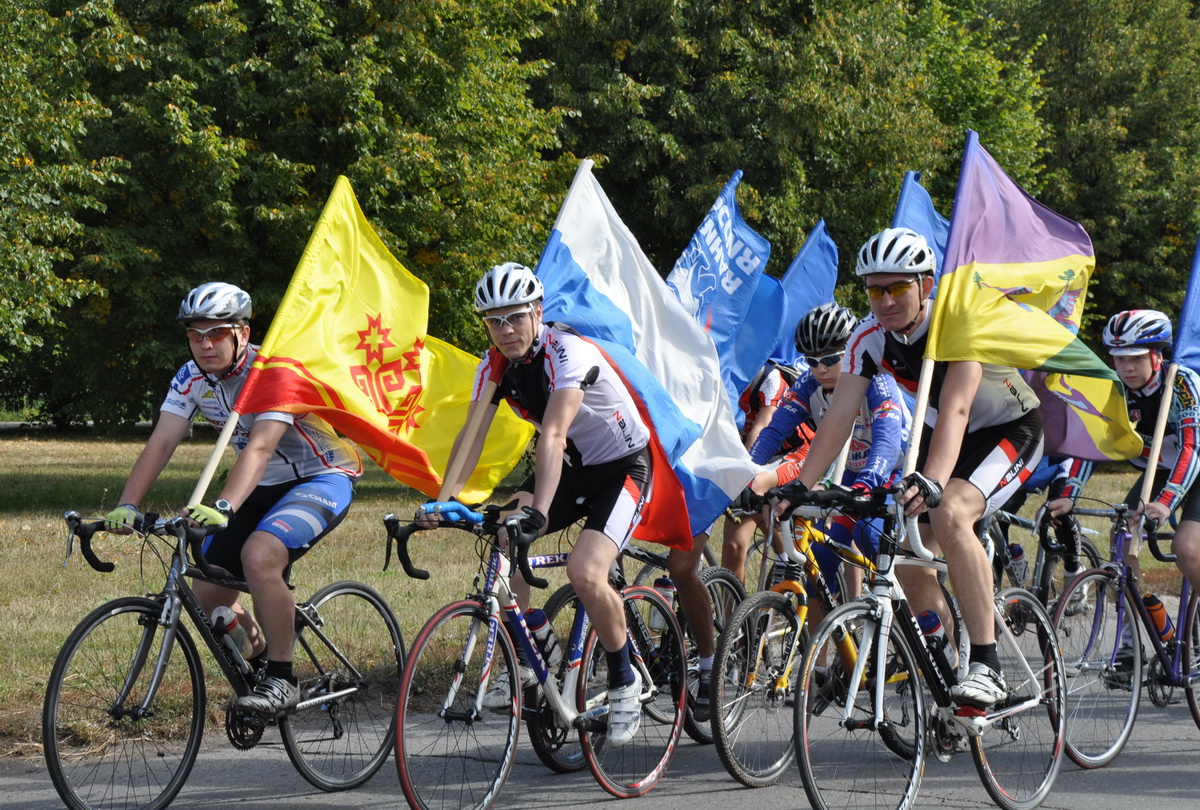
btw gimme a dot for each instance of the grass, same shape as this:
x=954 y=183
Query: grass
x=47 y=474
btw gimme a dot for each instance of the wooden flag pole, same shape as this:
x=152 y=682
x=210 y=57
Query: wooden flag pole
x=1160 y=429
x=214 y=459
x=455 y=468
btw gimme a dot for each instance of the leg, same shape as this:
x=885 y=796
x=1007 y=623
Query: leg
x=1186 y=548
x=587 y=568
x=736 y=544
x=264 y=559
x=693 y=596
x=953 y=522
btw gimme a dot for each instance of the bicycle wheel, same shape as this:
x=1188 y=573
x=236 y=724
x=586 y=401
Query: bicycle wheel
x=757 y=658
x=650 y=572
x=1102 y=704
x=658 y=654
x=725 y=591
x=450 y=752
x=102 y=750
x=1191 y=654
x=1052 y=582
x=348 y=667
x=1019 y=755
x=556 y=745
x=845 y=761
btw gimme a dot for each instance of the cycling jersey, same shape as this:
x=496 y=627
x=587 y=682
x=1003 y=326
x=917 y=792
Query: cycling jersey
x=1180 y=440
x=1003 y=396
x=309 y=447
x=768 y=391
x=877 y=442
x=607 y=426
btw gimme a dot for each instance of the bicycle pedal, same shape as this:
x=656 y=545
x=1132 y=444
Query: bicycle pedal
x=969 y=712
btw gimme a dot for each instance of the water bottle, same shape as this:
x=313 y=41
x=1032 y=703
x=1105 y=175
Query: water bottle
x=1158 y=612
x=1019 y=569
x=547 y=641
x=937 y=642
x=666 y=589
x=235 y=636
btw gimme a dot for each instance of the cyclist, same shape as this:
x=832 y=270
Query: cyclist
x=1136 y=340
x=984 y=440
x=759 y=403
x=879 y=434
x=292 y=483
x=592 y=460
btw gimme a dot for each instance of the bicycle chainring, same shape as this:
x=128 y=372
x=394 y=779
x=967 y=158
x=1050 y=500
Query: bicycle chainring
x=243 y=730
x=1158 y=685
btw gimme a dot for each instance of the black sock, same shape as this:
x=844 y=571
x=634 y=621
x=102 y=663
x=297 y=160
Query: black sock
x=620 y=670
x=280 y=669
x=985 y=654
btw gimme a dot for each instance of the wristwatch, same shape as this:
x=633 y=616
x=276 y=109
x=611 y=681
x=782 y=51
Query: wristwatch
x=224 y=507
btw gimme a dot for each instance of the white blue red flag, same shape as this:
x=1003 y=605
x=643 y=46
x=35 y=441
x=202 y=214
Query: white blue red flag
x=808 y=283
x=599 y=282
x=715 y=279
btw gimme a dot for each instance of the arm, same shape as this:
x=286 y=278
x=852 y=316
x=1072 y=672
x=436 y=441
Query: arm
x=252 y=462
x=1185 y=419
x=887 y=431
x=561 y=409
x=168 y=433
x=765 y=414
x=835 y=427
x=791 y=413
x=954 y=413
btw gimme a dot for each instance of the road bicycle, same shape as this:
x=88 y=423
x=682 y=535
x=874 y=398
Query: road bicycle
x=453 y=752
x=876 y=703
x=758 y=656
x=1105 y=686
x=126 y=701
x=1046 y=579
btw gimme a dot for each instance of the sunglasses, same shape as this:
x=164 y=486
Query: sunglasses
x=214 y=334
x=895 y=289
x=827 y=361
x=516 y=319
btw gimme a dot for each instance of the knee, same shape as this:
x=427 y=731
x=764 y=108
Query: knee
x=264 y=560
x=586 y=579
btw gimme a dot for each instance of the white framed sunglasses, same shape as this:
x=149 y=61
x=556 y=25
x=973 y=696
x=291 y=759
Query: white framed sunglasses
x=514 y=319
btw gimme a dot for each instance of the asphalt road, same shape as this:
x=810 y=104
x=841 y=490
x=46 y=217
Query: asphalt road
x=1156 y=770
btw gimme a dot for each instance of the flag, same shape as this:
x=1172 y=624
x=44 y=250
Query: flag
x=1015 y=268
x=348 y=344
x=808 y=283
x=599 y=282
x=1187 y=337
x=915 y=211
x=715 y=279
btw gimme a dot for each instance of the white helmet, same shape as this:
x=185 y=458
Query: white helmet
x=215 y=301
x=895 y=250
x=506 y=285
x=1137 y=331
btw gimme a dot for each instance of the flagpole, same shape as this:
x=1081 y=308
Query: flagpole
x=470 y=431
x=839 y=466
x=914 y=448
x=214 y=458
x=1160 y=429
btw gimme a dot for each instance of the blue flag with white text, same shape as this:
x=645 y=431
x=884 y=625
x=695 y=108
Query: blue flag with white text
x=808 y=283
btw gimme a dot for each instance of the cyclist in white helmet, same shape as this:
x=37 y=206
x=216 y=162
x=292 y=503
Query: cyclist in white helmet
x=291 y=485
x=1136 y=340
x=592 y=461
x=982 y=439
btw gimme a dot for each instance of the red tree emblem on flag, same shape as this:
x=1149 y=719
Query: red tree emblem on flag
x=385 y=383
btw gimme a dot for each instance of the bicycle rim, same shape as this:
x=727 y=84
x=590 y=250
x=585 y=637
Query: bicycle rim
x=1191 y=654
x=1018 y=757
x=340 y=742
x=633 y=769
x=725 y=592
x=447 y=753
x=852 y=764
x=558 y=747
x=754 y=687
x=99 y=755
x=1102 y=704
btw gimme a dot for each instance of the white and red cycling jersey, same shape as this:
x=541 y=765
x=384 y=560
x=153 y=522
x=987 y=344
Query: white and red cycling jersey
x=1181 y=440
x=608 y=425
x=309 y=447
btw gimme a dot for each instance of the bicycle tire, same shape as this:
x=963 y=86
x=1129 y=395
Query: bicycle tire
x=1018 y=757
x=558 y=748
x=1102 y=707
x=634 y=769
x=752 y=720
x=88 y=744
x=1052 y=581
x=342 y=742
x=456 y=757
x=1191 y=654
x=725 y=592
x=854 y=765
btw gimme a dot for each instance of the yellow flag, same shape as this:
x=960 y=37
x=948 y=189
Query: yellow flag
x=348 y=344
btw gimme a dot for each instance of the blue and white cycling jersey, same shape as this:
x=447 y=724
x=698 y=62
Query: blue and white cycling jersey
x=878 y=441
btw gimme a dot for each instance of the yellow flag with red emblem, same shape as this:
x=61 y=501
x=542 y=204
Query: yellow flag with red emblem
x=348 y=344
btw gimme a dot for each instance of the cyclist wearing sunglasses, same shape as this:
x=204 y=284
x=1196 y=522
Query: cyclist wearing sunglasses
x=592 y=461
x=879 y=435
x=291 y=485
x=983 y=439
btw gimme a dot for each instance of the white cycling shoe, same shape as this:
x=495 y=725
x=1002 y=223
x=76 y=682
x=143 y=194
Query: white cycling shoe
x=624 y=712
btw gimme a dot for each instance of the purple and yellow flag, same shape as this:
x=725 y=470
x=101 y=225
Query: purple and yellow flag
x=1011 y=293
x=348 y=343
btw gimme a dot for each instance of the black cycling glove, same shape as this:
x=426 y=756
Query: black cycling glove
x=533 y=522
x=930 y=489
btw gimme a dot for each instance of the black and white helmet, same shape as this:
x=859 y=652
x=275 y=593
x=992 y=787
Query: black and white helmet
x=895 y=250
x=506 y=285
x=215 y=301
x=824 y=330
x=1137 y=331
